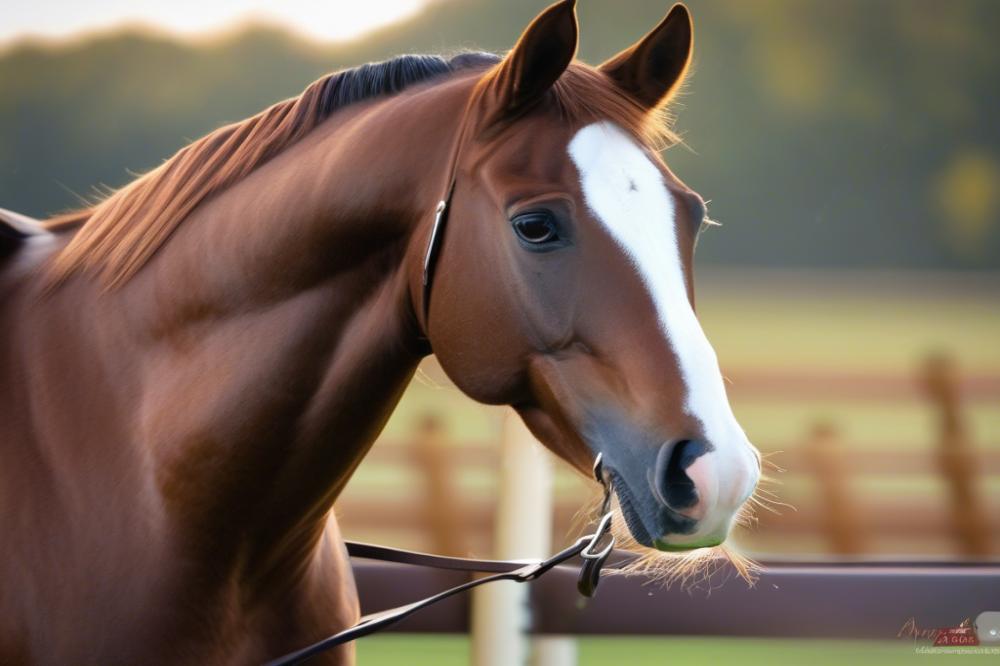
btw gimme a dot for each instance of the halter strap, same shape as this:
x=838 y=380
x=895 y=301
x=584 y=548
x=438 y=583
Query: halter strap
x=433 y=243
x=440 y=220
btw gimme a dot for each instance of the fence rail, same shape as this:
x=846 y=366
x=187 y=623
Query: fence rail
x=856 y=386
x=789 y=600
x=959 y=511
x=872 y=458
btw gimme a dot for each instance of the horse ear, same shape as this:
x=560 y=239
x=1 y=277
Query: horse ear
x=653 y=68
x=539 y=58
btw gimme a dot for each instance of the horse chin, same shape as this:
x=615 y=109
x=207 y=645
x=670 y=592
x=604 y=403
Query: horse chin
x=665 y=563
x=664 y=546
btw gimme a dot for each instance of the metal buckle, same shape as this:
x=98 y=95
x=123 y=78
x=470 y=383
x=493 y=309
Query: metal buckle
x=432 y=242
x=588 y=553
x=594 y=559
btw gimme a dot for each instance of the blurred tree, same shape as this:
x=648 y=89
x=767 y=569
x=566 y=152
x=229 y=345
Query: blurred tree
x=818 y=129
x=968 y=195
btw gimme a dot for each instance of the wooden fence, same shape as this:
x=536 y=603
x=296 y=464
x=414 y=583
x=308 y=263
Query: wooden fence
x=790 y=600
x=961 y=518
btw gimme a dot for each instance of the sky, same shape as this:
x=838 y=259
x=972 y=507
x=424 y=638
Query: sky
x=328 y=20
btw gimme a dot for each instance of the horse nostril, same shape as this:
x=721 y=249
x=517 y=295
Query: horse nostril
x=675 y=487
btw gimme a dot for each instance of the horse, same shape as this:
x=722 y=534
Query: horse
x=193 y=367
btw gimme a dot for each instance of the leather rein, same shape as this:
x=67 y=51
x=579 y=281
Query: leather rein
x=593 y=549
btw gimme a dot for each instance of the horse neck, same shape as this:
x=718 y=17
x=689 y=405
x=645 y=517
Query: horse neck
x=363 y=183
x=279 y=329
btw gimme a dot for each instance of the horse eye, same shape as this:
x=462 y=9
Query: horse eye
x=535 y=227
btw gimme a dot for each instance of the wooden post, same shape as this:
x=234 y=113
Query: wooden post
x=441 y=509
x=956 y=457
x=500 y=612
x=839 y=517
x=553 y=651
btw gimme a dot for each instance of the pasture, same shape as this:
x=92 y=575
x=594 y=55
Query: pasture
x=453 y=651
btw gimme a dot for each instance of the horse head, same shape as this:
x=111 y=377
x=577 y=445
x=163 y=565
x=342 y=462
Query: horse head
x=563 y=284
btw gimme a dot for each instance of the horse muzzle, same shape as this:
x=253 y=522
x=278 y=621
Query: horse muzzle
x=688 y=496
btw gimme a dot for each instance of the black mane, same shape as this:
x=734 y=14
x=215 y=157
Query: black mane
x=121 y=243
x=388 y=77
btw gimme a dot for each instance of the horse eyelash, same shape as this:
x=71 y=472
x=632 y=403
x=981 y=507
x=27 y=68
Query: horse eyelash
x=706 y=221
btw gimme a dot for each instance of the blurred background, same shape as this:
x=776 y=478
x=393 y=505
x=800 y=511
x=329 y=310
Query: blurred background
x=850 y=149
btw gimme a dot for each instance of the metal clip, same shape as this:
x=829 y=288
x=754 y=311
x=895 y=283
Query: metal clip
x=433 y=241
x=594 y=559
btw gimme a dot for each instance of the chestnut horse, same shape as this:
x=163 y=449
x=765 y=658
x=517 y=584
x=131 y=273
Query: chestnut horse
x=193 y=368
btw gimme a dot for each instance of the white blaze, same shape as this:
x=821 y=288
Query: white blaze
x=626 y=192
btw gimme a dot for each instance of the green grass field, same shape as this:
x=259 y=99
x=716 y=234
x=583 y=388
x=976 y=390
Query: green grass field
x=851 y=321
x=415 y=650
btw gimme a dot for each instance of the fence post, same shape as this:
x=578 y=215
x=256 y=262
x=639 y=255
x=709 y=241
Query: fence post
x=500 y=612
x=956 y=457
x=838 y=518
x=441 y=505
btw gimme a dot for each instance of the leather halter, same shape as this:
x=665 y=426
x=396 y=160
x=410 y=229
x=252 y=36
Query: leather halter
x=437 y=228
x=589 y=548
x=433 y=244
